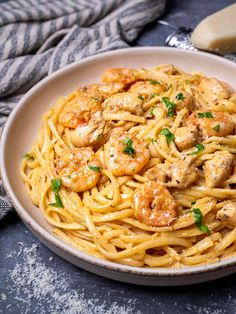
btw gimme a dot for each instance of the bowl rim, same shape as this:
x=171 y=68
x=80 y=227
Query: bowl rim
x=57 y=242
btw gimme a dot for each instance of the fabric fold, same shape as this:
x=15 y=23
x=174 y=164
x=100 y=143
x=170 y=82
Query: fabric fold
x=38 y=37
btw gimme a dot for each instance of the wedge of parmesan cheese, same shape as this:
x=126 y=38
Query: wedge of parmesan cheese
x=217 y=32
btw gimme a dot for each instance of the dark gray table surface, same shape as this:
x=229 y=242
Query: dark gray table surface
x=35 y=280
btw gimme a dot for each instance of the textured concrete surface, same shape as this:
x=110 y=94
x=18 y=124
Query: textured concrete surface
x=35 y=280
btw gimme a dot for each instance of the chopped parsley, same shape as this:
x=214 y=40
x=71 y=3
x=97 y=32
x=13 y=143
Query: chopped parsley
x=170 y=106
x=108 y=197
x=154 y=95
x=29 y=156
x=95 y=168
x=129 y=150
x=199 y=148
x=95 y=98
x=180 y=96
x=154 y=82
x=99 y=137
x=169 y=87
x=193 y=203
x=141 y=97
x=169 y=136
x=153 y=140
x=56 y=185
x=205 y=115
x=58 y=202
x=152 y=112
x=198 y=217
x=216 y=128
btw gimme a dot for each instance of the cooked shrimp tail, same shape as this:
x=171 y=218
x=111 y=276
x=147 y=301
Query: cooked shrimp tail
x=154 y=205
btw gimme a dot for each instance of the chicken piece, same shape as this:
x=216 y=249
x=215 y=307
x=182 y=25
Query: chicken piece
x=156 y=173
x=228 y=215
x=182 y=173
x=147 y=89
x=125 y=76
x=186 y=137
x=123 y=102
x=214 y=89
x=212 y=123
x=182 y=100
x=168 y=69
x=218 y=169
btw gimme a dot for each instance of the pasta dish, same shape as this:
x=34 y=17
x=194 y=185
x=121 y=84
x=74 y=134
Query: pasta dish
x=139 y=169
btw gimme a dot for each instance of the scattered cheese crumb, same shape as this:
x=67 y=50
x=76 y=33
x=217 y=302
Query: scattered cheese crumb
x=51 y=289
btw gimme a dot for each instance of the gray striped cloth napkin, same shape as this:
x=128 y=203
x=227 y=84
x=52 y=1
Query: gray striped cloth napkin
x=38 y=37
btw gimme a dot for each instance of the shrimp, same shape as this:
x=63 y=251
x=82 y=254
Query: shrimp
x=124 y=154
x=101 y=91
x=147 y=89
x=154 y=205
x=79 y=170
x=89 y=134
x=125 y=76
x=123 y=102
x=79 y=111
x=214 y=89
x=212 y=123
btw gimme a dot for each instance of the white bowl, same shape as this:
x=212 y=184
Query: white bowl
x=22 y=127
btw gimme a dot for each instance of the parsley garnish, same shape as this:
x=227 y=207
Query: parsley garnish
x=154 y=95
x=56 y=185
x=153 y=140
x=169 y=136
x=198 y=217
x=29 y=156
x=152 y=113
x=170 y=106
x=141 y=97
x=154 y=82
x=108 y=197
x=129 y=150
x=95 y=168
x=193 y=203
x=205 y=115
x=180 y=96
x=96 y=98
x=99 y=137
x=199 y=148
x=58 y=202
x=216 y=128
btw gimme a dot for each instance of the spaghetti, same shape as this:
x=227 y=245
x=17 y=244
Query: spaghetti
x=139 y=169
